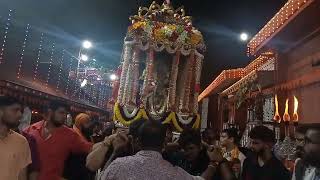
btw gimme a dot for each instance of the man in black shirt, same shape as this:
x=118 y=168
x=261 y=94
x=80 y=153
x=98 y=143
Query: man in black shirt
x=193 y=158
x=263 y=165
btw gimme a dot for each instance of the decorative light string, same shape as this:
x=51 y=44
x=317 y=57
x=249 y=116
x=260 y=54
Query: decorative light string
x=287 y=12
x=99 y=95
x=5 y=36
x=35 y=72
x=104 y=97
x=50 y=65
x=68 y=80
x=80 y=91
x=85 y=89
x=23 y=51
x=60 y=70
x=92 y=93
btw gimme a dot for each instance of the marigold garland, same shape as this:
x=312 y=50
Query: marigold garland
x=118 y=117
x=166 y=33
x=171 y=118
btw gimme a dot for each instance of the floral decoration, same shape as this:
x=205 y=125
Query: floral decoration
x=166 y=33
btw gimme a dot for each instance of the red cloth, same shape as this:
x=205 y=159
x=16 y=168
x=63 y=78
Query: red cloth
x=54 y=150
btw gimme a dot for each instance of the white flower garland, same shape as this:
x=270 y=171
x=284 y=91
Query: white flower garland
x=143 y=47
x=132 y=114
x=173 y=80
x=187 y=91
x=125 y=64
x=127 y=88
x=183 y=121
x=184 y=50
x=198 y=67
x=157 y=48
x=148 y=75
x=153 y=111
x=171 y=50
x=135 y=79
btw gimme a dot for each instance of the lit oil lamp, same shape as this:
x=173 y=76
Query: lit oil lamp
x=286 y=115
x=276 y=117
x=295 y=117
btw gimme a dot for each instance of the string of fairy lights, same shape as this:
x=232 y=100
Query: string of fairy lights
x=68 y=80
x=5 y=36
x=36 y=66
x=23 y=51
x=60 y=70
x=50 y=65
x=46 y=67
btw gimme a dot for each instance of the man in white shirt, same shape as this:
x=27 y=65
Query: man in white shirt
x=149 y=164
x=15 y=153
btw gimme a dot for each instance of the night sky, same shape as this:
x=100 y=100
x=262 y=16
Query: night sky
x=105 y=22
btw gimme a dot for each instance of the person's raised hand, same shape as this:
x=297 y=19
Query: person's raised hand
x=120 y=143
x=215 y=154
x=109 y=139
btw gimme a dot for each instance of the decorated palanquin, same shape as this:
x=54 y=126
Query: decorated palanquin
x=160 y=69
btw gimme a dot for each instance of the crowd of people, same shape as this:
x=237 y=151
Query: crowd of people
x=51 y=150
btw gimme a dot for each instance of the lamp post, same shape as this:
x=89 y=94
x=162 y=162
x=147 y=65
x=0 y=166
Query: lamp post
x=83 y=57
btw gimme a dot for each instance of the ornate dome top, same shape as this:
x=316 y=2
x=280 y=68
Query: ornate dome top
x=165 y=25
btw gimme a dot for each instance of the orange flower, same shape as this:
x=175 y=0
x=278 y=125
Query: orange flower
x=195 y=39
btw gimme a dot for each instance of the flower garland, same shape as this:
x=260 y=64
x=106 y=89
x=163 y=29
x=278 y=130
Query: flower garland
x=132 y=114
x=183 y=121
x=185 y=51
x=173 y=118
x=198 y=67
x=126 y=119
x=166 y=33
x=159 y=47
x=135 y=80
x=173 y=80
x=126 y=58
x=127 y=88
x=118 y=116
x=162 y=109
x=187 y=86
x=148 y=74
x=196 y=125
x=143 y=47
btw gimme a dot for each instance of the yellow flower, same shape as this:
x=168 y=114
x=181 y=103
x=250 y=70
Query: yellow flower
x=195 y=39
x=172 y=27
x=159 y=35
x=139 y=24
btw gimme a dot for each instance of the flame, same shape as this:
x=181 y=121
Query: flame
x=295 y=110
x=276 y=117
x=286 y=116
